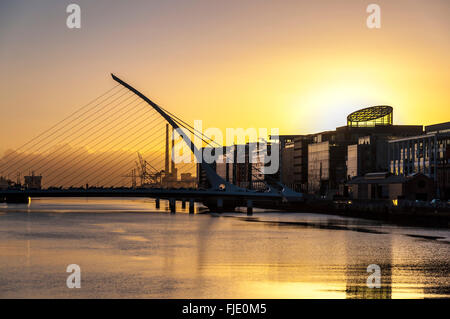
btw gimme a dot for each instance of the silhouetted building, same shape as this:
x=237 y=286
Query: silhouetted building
x=294 y=161
x=33 y=181
x=374 y=186
x=427 y=153
x=326 y=167
x=330 y=159
x=4 y=183
x=380 y=115
x=369 y=155
x=287 y=163
x=244 y=169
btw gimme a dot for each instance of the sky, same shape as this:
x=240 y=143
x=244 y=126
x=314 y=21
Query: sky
x=300 y=66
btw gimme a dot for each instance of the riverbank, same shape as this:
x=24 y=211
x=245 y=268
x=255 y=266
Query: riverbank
x=373 y=210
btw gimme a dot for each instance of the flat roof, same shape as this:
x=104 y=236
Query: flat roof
x=437 y=127
x=420 y=137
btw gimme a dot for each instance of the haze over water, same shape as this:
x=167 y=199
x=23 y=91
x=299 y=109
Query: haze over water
x=126 y=248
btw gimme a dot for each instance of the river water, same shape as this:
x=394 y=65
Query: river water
x=126 y=248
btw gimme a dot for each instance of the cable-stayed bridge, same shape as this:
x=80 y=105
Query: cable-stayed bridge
x=105 y=146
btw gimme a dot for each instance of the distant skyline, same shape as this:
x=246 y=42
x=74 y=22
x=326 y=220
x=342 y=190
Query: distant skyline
x=300 y=66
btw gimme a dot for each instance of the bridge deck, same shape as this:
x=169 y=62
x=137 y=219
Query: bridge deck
x=197 y=195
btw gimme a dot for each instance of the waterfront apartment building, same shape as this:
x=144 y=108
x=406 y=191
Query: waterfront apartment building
x=322 y=163
x=294 y=161
x=427 y=153
x=247 y=172
x=326 y=167
x=369 y=154
x=319 y=163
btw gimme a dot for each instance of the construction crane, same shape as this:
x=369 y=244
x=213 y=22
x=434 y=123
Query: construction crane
x=133 y=177
x=149 y=176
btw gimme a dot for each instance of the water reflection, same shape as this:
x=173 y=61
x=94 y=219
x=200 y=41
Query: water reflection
x=127 y=250
x=357 y=272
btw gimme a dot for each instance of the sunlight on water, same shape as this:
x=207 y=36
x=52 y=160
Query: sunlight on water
x=128 y=248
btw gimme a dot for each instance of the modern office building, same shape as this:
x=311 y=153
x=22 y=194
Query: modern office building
x=287 y=163
x=246 y=172
x=323 y=163
x=374 y=186
x=427 y=153
x=334 y=157
x=369 y=155
x=326 y=167
x=320 y=162
x=294 y=161
x=301 y=162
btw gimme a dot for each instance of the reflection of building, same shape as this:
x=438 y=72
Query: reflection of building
x=358 y=272
x=386 y=186
x=33 y=181
x=427 y=153
x=356 y=282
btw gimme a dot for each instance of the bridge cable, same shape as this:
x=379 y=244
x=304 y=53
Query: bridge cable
x=60 y=122
x=124 y=139
x=105 y=153
x=87 y=143
x=29 y=154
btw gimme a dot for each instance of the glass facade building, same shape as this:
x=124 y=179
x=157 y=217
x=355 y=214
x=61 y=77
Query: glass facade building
x=326 y=167
x=380 y=115
x=428 y=154
x=318 y=166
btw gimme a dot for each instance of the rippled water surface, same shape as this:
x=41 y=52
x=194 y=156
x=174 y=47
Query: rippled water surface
x=128 y=249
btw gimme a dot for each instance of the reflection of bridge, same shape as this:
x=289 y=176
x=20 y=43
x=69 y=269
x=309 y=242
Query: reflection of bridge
x=221 y=195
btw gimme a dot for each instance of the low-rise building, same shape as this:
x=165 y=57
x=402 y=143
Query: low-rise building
x=294 y=161
x=427 y=153
x=33 y=181
x=369 y=155
x=326 y=167
x=374 y=186
x=4 y=183
x=241 y=165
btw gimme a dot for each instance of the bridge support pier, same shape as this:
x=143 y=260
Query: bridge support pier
x=157 y=203
x=219 y=205
x=191 y=206
x=249 y=207
x=172 y=205
x=183 y=204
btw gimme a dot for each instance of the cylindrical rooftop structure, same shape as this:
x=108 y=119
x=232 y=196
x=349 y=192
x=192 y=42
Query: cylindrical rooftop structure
x=380 y=115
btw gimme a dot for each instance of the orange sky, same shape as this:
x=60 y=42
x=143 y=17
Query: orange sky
x=295 y=65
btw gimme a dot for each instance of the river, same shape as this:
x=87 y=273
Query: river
x=126 y=248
